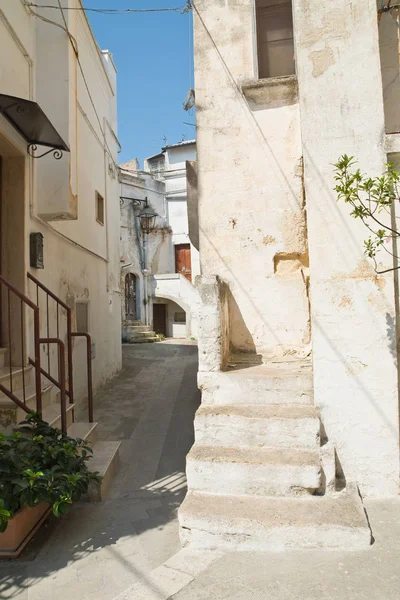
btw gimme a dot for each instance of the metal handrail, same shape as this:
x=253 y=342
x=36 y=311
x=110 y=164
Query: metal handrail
x=70 y=335
x=61 y=377
x=89 y=370
x=10 y=393
x=50 y=294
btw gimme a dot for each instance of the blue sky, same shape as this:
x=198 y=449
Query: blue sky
x=153 y=55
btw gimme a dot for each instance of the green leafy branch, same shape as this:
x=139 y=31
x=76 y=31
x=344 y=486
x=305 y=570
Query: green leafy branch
x=372 y=200
x=42 y=465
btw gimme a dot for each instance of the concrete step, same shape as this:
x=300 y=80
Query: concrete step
x=16 y=376
x=133 y=329
x=147 y=340
x=105 y=461
x=3 y=352
x=11 y=414
x=257 y=524
x=274 y=383
x=254 y=472
x=52 y=415
x=142 y=335
x=248 y=426
x=83 y=431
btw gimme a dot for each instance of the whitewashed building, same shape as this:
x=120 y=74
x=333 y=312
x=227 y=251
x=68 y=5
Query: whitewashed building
x=159 y=277
x=298 y=335
x=59 y=209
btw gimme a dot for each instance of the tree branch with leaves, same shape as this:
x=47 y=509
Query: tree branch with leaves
x=373 y=201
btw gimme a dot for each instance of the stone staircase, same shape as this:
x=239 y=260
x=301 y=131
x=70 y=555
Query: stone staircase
x=261 y=474
x=105 y=458
x=134 y=332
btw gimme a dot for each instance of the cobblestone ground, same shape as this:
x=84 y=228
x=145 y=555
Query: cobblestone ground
x=99 y=550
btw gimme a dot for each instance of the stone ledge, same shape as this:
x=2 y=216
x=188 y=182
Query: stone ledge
x=272 y=92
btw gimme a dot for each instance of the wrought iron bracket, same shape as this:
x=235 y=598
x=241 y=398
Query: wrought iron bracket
x=32 y=149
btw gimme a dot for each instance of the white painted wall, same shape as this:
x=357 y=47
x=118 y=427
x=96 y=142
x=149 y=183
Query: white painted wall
x=353 y=309
x=251 y=206
x=292 y=257
x=81 y=256
x=140 y=186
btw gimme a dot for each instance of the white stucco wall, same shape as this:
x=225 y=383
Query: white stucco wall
x=290 y=254
x=81 y=257
x=140 y=186
x=353 y=309
x=251 y=211
x=176 y=288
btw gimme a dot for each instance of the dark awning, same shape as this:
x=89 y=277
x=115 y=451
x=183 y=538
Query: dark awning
x=30 y=121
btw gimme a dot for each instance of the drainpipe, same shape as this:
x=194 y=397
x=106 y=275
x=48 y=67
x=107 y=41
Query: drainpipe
x=137 y=227
x=142 y=260
x=145 y=275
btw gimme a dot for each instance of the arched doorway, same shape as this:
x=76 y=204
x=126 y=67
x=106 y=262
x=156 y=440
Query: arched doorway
x=130 y=296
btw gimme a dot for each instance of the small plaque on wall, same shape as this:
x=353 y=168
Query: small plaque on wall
x=36 y=250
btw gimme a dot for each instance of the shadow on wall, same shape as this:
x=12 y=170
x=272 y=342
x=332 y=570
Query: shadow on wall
x=241 y=340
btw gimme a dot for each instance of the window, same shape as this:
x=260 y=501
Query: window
x=180 y=317
x=157 y=167
x=275 y=38
x=99 y=208
x=82 y=317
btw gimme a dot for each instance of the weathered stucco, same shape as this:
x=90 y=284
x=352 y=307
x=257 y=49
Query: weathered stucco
x=290 y=255
x=250 y=186
x=81 y=256
x=355 y=375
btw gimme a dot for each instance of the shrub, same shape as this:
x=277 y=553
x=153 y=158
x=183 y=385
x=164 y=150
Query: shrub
x=41 y=464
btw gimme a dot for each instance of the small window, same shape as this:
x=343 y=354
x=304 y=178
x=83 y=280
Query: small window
x=99 y=208
x=180 y=317
x=82 y=317
x=275 y=38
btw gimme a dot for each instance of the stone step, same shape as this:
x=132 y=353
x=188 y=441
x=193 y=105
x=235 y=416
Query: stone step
x=274 y=383
x=249 y=426
x=257 y=524
x=3 y=352
x=52 y=415
x=105 y=461
x=132 y=329
x=148 y=340
x=254 y=472
x=16 y=376
x=83 y=431
x=11 y=414
x=147 y=334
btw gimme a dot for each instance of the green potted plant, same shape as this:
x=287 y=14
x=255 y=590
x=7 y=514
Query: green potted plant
x=41 y=469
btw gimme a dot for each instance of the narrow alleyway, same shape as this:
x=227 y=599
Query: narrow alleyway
x=101 y=549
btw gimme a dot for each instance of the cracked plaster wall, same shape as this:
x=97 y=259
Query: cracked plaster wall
x=353 y=310
x=251 y=204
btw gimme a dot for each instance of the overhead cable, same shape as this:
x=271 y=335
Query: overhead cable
x=117 y=11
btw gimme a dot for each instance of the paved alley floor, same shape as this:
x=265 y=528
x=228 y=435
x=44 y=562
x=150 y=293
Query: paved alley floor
x=127 y=547
x=101 y=549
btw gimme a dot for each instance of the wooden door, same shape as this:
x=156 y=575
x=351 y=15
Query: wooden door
x=130 y=296
x=160 y=318
x=183 y=260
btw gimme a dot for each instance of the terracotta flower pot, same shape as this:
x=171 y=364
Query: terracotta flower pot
x=21 y=528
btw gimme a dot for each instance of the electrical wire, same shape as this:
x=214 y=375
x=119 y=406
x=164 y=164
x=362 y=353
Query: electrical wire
x=117 y=11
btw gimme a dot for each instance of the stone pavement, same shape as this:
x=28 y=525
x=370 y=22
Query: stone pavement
x=371 y=574
x=127 y=547
x=99 y=550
